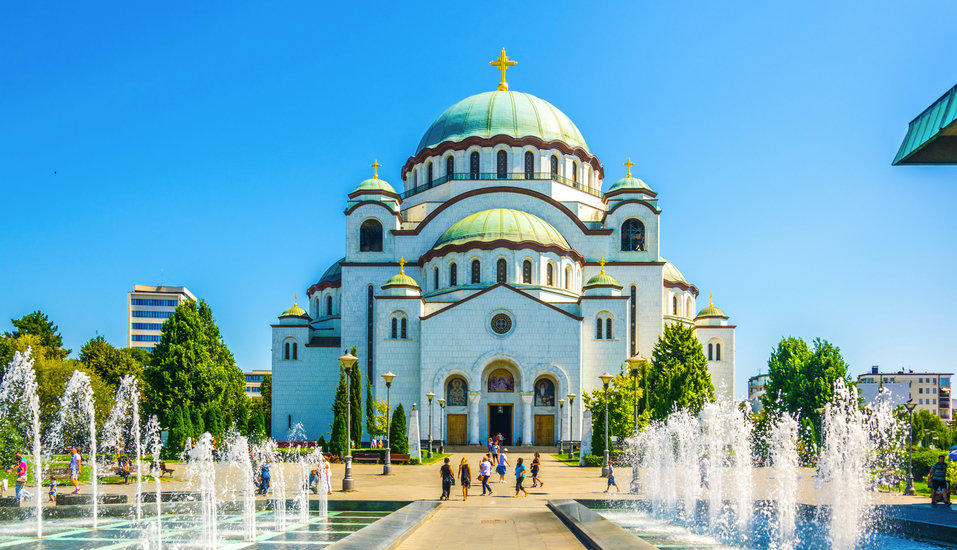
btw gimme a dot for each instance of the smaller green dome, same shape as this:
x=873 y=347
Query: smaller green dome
x=671 y=273
x=294 y=311
x=375 y=185
x=602 y=279
x=400 y=279
x=711 y=311
x=629 y=183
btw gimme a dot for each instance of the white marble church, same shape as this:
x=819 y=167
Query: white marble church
x=503 y=278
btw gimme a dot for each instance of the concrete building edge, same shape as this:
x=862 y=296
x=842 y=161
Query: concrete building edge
x=391 y=531
x=592 y=530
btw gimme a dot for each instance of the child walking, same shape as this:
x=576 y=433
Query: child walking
x=611 y=479
x=52 y=489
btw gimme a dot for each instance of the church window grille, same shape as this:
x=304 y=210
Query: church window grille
x=529 y=165
x=286 y=355
x=436 y=278
x=476 y=272
x=568 y=276
x=554 y=165
x=633 y=320
x=450 y=167
x=598 y=329
x=548 y=275
x=429 y=170
x=453 y=275
x=395 y=328
x=527 y=272
x=501 y=165
x=501 y=267
x=710 y=352
x=329 y=305
x=608 y=333
x=474 y=166
x=717 y=352
x=674 y=305
x=370 y=331
x=633 y=236
x=501 y=323
x=405 y=328
x=370 y=236
x=575 y=172
x=295 y=351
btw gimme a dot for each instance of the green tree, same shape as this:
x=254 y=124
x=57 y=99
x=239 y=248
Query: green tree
x=110 y=363
x=188 y=430
x=211 y=421
x=337 y=440
x=678 y=376
x=355 y=401
x=176 y=439
x=242 y=419
x=38 y=324
x=400 y=432
x=199 y=427
x=930 y=431
x=371 y=426
x=191 y=364
x=257 y=430
x=621 y=410
x=265 y=402
x=801 y=380
x=10 y=443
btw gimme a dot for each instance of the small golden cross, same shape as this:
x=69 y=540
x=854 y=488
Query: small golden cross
x=402 y=265
x=503 y=63
x=629 y=164
x=710 y=300
x=295 y=300
x=602 y=263
x=375 y=166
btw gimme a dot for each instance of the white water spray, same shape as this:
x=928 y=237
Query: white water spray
x=18 y=393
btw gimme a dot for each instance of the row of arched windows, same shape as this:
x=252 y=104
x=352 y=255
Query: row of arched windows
x=501 y=167
x=674 y=307
x=400 y=328
x=294 y=347
x=609 y=333
x=501 y=274
x=714 y=352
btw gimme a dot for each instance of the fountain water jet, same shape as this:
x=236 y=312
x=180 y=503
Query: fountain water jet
x=784 y=456
x=156 y=447
x=17 y=390
x=76 y=407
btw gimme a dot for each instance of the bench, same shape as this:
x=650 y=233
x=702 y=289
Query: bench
x=367 y=457
x=399 y=458
x=164 y=470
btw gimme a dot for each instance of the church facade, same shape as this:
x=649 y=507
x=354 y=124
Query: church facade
x=502 y=279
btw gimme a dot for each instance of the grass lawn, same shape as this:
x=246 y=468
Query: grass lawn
x=563 y=458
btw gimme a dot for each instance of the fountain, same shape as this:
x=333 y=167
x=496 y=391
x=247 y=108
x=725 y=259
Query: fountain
x=18 y=393
x=240 y=455
x=123 y=425
x=156 y=447
x=76 y=408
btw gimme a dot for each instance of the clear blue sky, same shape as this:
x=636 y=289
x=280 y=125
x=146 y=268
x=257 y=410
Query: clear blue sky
x=216 y=143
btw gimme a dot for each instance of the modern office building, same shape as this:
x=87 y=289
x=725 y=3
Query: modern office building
x=254 y=380
x=929 y=390
x=147 y=307
x=756 y=391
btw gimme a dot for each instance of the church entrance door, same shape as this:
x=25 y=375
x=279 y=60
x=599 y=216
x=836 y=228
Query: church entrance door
x=500 y=422
x=544 y=429
x=456 y=429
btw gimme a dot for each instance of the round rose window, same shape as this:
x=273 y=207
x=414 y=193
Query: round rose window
x=501 y=323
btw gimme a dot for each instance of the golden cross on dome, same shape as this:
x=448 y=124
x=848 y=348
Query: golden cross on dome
x=503 y=63
x=629 y=164
x=402 y=265
x=602 y=263
x=375 y=166
x=710 y=300
x=295 y=300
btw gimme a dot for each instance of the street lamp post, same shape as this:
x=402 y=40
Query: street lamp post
x=637 y=364
x=441 y=401
x=571 y=425
x=430 y=395
x=561 y=418
x=387 y=466
x=910 y=443
x=605 y=379
x=348 y=361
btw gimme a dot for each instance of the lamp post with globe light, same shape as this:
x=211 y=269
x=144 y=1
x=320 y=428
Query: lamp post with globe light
x=430 y=395
x=605 y=379
x=571 y=425
x=348 y=362
x=561 y=418
x=387 y=465
x=637 y=364
x=909 y=490
x=441 y=401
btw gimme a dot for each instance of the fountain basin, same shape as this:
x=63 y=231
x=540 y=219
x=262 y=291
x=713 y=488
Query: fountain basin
x=173 y=496
x=9 y=502
x=83 y=500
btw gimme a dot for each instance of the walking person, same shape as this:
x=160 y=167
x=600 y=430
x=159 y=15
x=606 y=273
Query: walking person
x=495 y=449
x=490 y=445
x=611 y=478
x=327 y=474
x=21 y=470
x=938 y=481
x=75 y=466
x=502 y=466
x=465 y=476
x=519 y=478
x=485 y=471
x=265 y=476
x=536 y=464
x=447 y=479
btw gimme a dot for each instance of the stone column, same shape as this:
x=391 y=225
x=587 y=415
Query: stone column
x=474 y=398
x=527 y=434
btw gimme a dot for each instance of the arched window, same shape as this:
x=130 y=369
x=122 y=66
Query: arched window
x=710 y=352
x=450 y=167
x=688 y=309
x=295 y=350
x=329 y=304
x=405 y=328
x=453 y=275
x=476 y=272
x=674 y=305
x=568 y=276
x=554 y=165
x=501 y=268
x=286 y=355
x=632 y=235
x=395 y=328
x=436 y=278
x=608 y=333
x=717 y=352
x=527 y=272
x=548 y=275
x=429 y=172
x=474 y=165
x=575 y=172
x=501 y=164
x=529 y=165
x=598 y=328
x=370 y=236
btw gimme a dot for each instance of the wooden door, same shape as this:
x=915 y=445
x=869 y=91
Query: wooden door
x=544 y=429
x=456 y=429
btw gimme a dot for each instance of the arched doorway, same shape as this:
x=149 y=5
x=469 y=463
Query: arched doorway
x=500 y=387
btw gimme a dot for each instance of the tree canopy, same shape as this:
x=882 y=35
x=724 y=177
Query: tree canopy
x=678 y=377
x=38 y=324
x=801 y=379
x=111 y=363
x=621 y=410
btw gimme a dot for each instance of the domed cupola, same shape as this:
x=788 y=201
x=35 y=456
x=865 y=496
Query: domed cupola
x=711 y=315
x=401 y=284
x=602 y=284
x=294 y=315
x=375 y=189
x=629 y=187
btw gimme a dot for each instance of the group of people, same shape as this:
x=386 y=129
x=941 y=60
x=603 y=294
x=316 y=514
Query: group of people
x=378 y=442
x=485 y=473
x=323 y=481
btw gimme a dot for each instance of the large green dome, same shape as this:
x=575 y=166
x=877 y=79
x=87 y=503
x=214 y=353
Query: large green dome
x=506 y=113
x=502 y=224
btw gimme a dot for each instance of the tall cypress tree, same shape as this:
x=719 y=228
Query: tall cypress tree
x=400 y=436
x=257 y=430
x=355 y=402
x=242 y=420
x=337 y=441
x=679 y=373
x=371 y=426
x=187 y=422
x=198 y=425
x=176 y=439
